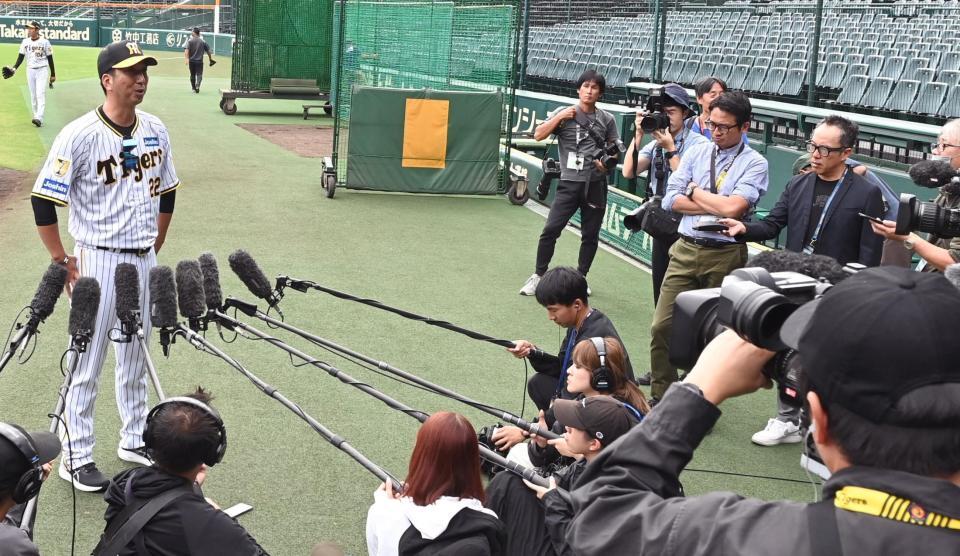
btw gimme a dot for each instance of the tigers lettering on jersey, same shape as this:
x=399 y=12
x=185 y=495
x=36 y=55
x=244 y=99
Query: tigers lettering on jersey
x=35 y=52
x=107 y=168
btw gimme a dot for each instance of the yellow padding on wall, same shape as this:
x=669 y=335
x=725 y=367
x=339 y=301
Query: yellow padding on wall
x=425 y=125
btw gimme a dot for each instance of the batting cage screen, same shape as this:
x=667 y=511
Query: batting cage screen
x=282 y=38
x=445 y=46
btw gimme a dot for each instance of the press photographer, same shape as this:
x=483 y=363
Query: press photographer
x=24 y=465
x=663 y=120
x=883 y=390
x=939 y=249
x=589 y=147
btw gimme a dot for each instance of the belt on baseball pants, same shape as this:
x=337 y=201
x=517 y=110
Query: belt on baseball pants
x=706 y=242
x=125 y=251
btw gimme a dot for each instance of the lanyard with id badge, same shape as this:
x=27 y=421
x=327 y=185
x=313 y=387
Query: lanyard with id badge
x=575 y=160
x=809 y=248
x=709 y=222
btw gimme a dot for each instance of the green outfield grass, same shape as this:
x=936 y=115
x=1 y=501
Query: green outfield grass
x=461 y=259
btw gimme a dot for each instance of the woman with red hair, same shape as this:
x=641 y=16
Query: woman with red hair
x=440 y=510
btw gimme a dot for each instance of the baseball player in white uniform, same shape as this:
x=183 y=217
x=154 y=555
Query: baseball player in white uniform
x=38 y=54
x=113 y=168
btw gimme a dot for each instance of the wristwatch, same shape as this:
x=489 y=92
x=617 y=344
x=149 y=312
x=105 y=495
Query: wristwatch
x=910 y=242
x=671 y=154
x=691 y=187
x=64 y=262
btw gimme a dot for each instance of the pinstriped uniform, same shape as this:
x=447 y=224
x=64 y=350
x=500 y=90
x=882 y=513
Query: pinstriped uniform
x=35 y=53
x=115 y=208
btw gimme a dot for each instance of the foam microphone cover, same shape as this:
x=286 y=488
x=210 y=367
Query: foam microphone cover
x=163 y=297
x=250 y=274
x=212 y=294
x=51 y=285
x=190 y=289
x=84 y=305
x=814 y=266
x=126 y=280
x=952 y=274
x=932 y=173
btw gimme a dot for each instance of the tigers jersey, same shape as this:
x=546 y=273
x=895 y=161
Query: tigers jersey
x=110 y=205
x=35 y=52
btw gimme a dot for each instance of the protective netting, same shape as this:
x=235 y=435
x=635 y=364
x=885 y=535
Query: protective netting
x=459 y=45
x=282 y=38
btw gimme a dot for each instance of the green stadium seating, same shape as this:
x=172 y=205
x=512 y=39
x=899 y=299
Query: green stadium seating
x=930 y=98
x=903 y=95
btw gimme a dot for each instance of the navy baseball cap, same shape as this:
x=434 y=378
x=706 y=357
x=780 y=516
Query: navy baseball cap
x=677 y=94
x=876 y=337
x=122 y=54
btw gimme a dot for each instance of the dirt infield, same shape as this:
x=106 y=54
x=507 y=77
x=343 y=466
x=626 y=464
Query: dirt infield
x=308 y=141
x=12 y=183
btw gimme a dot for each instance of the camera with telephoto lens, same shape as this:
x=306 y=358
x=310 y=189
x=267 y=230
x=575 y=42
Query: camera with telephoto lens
x=609 y=155
x=551 y=171
x=485 y=438
x=655 y=118
x=919 y=216
x=754 y=303
x=633 y=220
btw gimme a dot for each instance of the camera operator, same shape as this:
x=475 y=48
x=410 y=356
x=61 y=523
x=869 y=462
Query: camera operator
x=724 y=178
x=661 y=157
x=936 y=252
x=883 y=388
x=185 y=436
x=585 y=134
x=24 y=465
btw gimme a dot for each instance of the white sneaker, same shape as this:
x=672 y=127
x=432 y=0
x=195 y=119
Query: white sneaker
x=135 y=455
x=530 y=287
x=777 y=432
x=811 y=461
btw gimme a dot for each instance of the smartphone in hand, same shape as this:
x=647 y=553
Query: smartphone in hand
x=871 y=218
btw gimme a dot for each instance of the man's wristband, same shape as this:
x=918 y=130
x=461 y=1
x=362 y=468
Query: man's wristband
x=671 y=154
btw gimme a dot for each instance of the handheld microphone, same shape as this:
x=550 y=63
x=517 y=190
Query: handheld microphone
x=83 y=312
x=256 y=281
x=163 y=305
x=48 y=292
x=126 y=280
x=190 y=293
x=933 y=173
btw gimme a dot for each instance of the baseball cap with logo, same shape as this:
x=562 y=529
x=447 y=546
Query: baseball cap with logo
x=35 y=25
x=602 y=417
x=13 y=462
x=877 y=336
x=122 y=54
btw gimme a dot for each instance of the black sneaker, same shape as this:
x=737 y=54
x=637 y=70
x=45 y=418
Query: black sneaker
x=86 y=477
x=811 y=461
x=135 y=455
x=36 y=122
x=644 y=380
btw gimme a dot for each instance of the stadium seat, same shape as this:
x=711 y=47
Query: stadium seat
x=893 y=67
x=930 y=98
x=689 y=71
x=780 y=63
x=951 y=106
x=923 y=75
x=878 y=92
x=853 y=58
x=853 y=87
x=949 y=61
x=874 y=65
x=793 y=82
x=773 y=80
x=798 y=63
x=706 y=69
x=950 y=77
x=914 y=64
x=738 y=76
x=901 y=99
x=754 y=79
x=723 y=71
x=834 y=75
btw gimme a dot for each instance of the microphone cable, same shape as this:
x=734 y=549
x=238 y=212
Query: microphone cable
x=32 y=342
x=66 y=432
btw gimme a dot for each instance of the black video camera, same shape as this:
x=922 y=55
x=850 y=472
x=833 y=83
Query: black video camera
x=754 y=303
x=920 y=216
x=655 y=118
x=485 y=438
x=551 y=171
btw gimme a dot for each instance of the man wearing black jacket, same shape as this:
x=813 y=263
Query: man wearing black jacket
x=879 y=353
x=181 y=437
x=563 y=292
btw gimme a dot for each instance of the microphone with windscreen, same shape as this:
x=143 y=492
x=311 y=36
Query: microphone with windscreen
x=41 y=307
x=163 y=305
x=212 y=294
x=126 y=280
x=933 y=173
x=190 y=293
x=256 y=281
x=84 y=305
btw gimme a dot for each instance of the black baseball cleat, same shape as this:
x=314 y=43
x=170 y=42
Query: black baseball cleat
x=86 y=477
x=36 y=122
x=135 y=455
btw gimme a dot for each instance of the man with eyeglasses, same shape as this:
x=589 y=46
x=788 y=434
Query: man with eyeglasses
x=936 y=252
x=820 y=210
x=724 y=178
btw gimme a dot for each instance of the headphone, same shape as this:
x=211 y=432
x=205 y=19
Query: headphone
x=29 y=483
x=213 y=454
x=601 y=379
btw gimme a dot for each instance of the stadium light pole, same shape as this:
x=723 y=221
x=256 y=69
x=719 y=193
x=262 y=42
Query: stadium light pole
x=814 y=54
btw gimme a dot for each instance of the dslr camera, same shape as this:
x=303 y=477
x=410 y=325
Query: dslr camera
x=754 y=303
x=655 y=118
x=609 y=154
x=485 y=438
x=551 y=171
x=633 y=220
x=920 y=216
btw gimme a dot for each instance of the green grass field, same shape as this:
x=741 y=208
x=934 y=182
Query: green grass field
x=461 y=259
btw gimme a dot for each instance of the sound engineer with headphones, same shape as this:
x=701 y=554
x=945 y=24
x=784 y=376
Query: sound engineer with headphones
x=24 y=465
x=161 y=509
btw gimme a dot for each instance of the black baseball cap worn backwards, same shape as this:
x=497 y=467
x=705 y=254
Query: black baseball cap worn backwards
x=602 y=417
x=123 y=54
x=876 y=337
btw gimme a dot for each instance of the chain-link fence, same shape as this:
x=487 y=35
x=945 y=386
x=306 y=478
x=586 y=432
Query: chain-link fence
x=453 y=45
